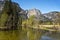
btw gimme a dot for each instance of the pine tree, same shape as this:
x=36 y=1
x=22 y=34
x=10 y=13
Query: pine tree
x=9 y=16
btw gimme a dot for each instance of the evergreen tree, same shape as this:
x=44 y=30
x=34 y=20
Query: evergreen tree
x=9 y=17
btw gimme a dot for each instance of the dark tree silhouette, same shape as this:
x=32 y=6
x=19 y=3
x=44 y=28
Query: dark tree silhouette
x=11 y=10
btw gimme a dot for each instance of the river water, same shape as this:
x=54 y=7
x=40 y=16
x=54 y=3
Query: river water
x=28 y=34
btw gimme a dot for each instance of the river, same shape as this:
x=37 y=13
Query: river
x=28 y=34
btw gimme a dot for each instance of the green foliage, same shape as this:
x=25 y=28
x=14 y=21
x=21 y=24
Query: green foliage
x=9 y=16
x=48 y=22
x=3 y=19
x=4 y=14
x=30 y=22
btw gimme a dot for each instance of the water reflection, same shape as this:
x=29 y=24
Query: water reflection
x=9 y=35
x=46 y=38
x=27 y=34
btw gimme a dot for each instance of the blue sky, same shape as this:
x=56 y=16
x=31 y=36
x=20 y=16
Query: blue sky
x=43 y=5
